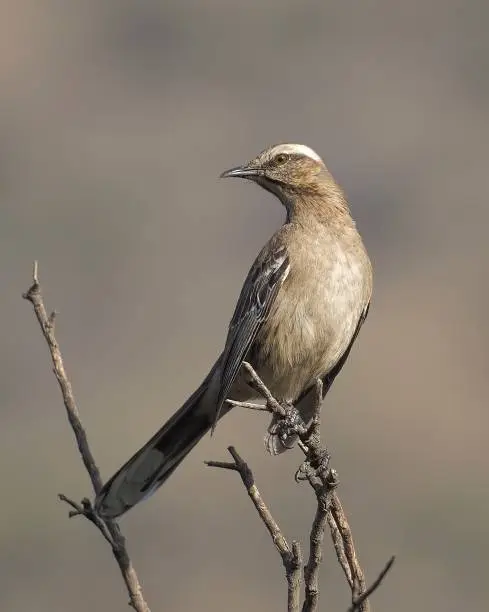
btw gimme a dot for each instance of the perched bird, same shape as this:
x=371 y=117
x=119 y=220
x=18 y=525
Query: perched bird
x=298 y=314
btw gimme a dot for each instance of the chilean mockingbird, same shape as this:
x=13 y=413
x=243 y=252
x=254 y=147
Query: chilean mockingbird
x=298 y=314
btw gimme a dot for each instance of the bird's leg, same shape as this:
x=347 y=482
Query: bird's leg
x=317 y=458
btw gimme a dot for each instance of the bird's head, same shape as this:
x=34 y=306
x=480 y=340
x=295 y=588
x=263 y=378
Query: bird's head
x=288 y=171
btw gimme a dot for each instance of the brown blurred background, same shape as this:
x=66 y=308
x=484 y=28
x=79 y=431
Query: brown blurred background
x=115 y=120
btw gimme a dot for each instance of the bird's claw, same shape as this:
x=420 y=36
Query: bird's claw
x=289 y=427
x=315 y=469
x=302 y=472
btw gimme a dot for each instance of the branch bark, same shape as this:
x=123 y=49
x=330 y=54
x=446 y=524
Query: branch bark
x=109 y=529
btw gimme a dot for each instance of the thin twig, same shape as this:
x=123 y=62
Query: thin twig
x=111 y=532
x=248 y=406
x=311 y=570
x=356 y=605
x=291 y=555
x=340 y=549
x=46 y=321
x=358 y=584
x=273 y=404
x=85 y=509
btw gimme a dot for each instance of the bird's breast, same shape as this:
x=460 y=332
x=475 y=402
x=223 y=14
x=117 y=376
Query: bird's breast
x=314 y=316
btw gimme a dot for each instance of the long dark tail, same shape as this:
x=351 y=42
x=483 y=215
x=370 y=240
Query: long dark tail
x=157 y=459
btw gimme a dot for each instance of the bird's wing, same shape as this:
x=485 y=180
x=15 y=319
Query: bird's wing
x=257 y=296
x=335 y=370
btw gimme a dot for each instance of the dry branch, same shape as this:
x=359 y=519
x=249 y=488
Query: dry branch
x=291 y=555
x=109 y=529
x=324 y=480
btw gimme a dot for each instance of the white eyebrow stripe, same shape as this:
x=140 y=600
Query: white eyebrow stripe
x=297 y=149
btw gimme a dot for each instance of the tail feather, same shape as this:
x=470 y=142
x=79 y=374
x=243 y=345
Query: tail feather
x=148 y=469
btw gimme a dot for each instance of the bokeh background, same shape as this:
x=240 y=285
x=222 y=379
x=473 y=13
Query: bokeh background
x=116 y=118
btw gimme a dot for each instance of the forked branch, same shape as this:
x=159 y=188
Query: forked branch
x=329 y=511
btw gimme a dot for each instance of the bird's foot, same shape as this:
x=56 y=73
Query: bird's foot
x=289 y=427
x=317 y=468
x=291 y=424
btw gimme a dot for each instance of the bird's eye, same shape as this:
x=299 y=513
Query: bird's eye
x=280 y=159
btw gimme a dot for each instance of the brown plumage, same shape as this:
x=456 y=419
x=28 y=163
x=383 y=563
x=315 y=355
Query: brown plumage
x=298 y=314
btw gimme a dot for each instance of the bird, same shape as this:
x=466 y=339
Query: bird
x=299 y=312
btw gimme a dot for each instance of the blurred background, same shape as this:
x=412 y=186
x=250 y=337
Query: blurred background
x=115 y=120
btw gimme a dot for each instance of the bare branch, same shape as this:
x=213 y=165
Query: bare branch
x=323 y=495
x=248 y=406
x=85 y=509
x=324 y=480
x=358 y=584
x=109 y=529
x=260 y=386
x=356 y=605
x=311 y=570
x=291 y=555
x=294 y=577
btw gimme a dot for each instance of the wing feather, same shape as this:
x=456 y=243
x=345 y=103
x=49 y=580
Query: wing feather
x=257 y=296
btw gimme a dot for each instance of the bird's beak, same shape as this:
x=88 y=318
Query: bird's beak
x=242 y=172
